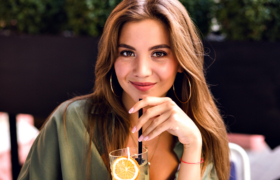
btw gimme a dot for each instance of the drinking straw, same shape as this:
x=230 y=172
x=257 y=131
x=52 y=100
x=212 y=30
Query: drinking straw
x=140 y=143
x=128 y=153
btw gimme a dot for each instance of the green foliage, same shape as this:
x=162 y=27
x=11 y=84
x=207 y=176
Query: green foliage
x=87 y=17
x=239 y=19
x=82 y=17
x=31 y=16
x=201 y=12
x=249 y=19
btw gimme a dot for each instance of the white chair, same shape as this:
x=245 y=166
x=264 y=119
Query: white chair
x=241 y=160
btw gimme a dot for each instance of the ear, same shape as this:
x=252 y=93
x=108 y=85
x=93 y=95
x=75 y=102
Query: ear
x=180 y=69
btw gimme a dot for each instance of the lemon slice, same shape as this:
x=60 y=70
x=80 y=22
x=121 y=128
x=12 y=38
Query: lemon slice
x=124 y=168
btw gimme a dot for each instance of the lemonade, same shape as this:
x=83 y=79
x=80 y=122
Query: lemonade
x=125 y=166
x=144 y=171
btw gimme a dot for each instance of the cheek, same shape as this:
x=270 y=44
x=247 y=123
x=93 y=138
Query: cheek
x=168 y=72
x=120 y=69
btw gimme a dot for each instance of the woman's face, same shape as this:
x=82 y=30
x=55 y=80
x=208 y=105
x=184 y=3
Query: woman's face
x=145 y=65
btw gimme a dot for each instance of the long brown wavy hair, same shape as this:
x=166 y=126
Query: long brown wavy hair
x=188 y=50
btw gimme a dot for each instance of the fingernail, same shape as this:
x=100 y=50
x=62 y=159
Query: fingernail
x=134 y=129
x=140 y=138
x=131 y=110
x=146 y=138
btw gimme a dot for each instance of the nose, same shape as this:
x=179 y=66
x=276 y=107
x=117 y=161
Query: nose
x=142 y=67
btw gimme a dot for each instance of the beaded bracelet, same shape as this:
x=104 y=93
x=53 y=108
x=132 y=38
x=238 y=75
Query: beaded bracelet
x=193 y=163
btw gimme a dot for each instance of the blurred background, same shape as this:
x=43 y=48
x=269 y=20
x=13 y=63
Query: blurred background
x=48 y=50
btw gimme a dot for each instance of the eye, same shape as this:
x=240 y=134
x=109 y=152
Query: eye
x=159 y=54
x=127 y=53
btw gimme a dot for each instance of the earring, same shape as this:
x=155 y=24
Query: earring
x=184 y=102
x=111 y=84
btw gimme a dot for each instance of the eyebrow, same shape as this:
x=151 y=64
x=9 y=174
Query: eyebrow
x=154 y=47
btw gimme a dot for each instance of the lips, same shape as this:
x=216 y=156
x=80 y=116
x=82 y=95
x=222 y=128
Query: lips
x=143 y=86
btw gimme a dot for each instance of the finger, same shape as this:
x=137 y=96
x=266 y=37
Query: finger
x=150 y=113
x=148 y=101
x=157 y=131
x=156 y=122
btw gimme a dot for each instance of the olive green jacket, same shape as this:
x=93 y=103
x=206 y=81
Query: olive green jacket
x=60 y=152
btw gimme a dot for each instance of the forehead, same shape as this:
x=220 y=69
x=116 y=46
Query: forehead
x=146 y=31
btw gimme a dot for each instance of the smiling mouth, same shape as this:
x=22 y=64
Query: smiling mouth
x=143 y=86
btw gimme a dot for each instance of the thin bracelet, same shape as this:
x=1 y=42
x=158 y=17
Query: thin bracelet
x=193 y=163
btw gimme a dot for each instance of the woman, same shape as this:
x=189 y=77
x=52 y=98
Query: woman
x=149 y=50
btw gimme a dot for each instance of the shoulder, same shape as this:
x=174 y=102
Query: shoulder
x=74 y=107
x=71 y=108
x=77 y=112
x=68 y=112
x=61 y=146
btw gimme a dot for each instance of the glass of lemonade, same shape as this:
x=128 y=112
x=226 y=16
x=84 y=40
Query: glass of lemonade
x=133 y=153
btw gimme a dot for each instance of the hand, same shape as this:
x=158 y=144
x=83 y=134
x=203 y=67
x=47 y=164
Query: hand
x=163 y=114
